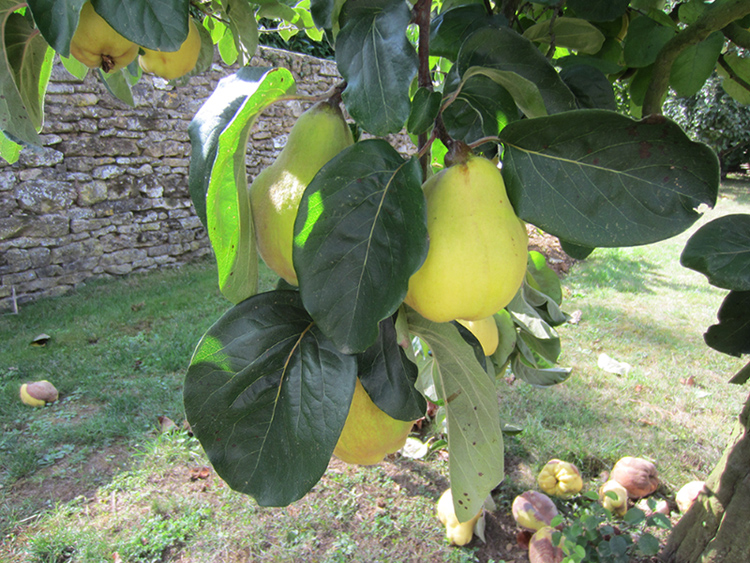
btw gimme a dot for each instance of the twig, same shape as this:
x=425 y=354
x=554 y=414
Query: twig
x=13 y=299
x=732 y=74
x=421 y=16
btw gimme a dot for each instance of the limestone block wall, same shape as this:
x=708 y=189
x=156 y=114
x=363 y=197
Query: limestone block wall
x=108 y=194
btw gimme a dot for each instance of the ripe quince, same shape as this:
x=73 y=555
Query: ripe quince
x=316 y=137
x=173 y=64
x=617 y=499
x=97 y=45
x=458 y=533
x=486 y=332
x=533 y=510
x=369 y=434
x=560 y=479
x=38 y=393
x=477 y=256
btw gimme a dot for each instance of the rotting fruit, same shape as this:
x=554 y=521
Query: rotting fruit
x=173 y=64
x=369 y=434
x=38 y=393
x=533 y=510
x=97 y=45
x=477 y=256
x=458 y=533
x=486 y=332
x=316 y=137
x=614 y=497
x=542 y=548
x=637 y=475
x=560 y=478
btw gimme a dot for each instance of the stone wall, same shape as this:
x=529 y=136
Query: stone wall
x=108 y=193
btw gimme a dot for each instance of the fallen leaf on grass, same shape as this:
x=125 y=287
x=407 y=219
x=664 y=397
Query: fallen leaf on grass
x=611 y=365
x=689 y=381
x=200 y=473
x=166 y=424
x=40 y=340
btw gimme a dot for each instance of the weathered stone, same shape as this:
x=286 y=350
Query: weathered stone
x=92 y=192
x=12 y=227
x=107 y=172
x=48 y=226
x=125 y=256
x=88 y=225
x=75 y=251
x=40 y=157
x=23 y=277
x=45 y=196
x=7 y=181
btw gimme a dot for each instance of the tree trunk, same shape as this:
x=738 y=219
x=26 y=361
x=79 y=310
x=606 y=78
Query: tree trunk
x=717 y=528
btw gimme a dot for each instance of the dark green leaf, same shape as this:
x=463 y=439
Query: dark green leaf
x=590 y=86
x=638 y=86
x=30 y=59
x=570 y=33
x=634 y=516
x=603 y=65
x=378 y=63
x=118 y=85
x=388 y=376
x=153 y=24
x=218 y=182
x=325 y=12
x=481 y=109
x=508 y=334
x=525 y=93
x=57 y=21
x=644 y=40
x=504 y=49
x=576 y=251
x=359 y=235
x=243 y=26
x=267 y=396
x=598 y=10
x=424 y=109
x=720 y=250
x=535 y=376
x=472 y=341
x=450 y=28
x=695 y=64
x=741 y=376
x=540 y=353
x=597 y=178
x=732 y=334
x=475 y=441
x=648 y=544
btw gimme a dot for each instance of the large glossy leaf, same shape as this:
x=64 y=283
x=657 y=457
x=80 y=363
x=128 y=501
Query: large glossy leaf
x=475 y=441
x=543 y=278
x=57 y=21
x=378 y=63
x=218 y=181
x=720 y=250
x=525 y=93
x=541 y=377
x=425 y=106
x=30 y=58
x=359 y=235
x=118 y=85
x=571 y=33
x=504 y=49
x=243 y=27
x=644 y=40
x=388 y=376
x=481 y=109
x=695 y=64
x=15 y=118
x=598 y=10
x=267 y=396
x=154 y=24
x=597 y=178
x=450 y=28
x=732 y=334
x=590 y=86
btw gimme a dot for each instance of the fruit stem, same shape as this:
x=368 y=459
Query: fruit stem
x=458 y=153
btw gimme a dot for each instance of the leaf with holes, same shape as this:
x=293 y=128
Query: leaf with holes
x=597 y=178
x=359 y=235
x=267 y=395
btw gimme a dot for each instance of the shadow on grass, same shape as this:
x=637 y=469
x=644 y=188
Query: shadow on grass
x=624 y=274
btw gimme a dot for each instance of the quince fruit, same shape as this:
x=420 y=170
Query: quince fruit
x=317 y=136
x=560 y=479
x=486 y=332
x=38 y=393
x=614 y=497
x=477 y=256
x=533 y=510
x=97 y=45
x=458 y=533
x=173 y=64
x=369 y=434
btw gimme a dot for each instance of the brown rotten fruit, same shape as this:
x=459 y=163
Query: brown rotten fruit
x=97 y=45
x=637 y=475
x=533 y=510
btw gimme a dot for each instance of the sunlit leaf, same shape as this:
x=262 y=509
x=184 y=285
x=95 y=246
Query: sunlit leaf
x=572 y=33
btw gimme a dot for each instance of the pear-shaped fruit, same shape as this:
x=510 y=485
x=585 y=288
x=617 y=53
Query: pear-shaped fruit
x=560 y=479
x=477 y=257
x=38 y=393
x=614 y=497
x=458 y=533
x=173 y=64
x=486 y=332
x=317 y=136
x=369 y=434
x=97 y=45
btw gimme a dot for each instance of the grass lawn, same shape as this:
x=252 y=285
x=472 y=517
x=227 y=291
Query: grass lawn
x=92 y=476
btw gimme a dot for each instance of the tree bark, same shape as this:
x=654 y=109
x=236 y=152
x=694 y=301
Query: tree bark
x=717 y=528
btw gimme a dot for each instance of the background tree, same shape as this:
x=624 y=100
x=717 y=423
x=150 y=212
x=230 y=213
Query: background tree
x=529 y=83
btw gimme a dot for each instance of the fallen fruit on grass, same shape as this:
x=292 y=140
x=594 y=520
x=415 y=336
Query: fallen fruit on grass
x=97 y=45
x=688 y=494
x=316 y=137
x=560 y=478
x=486 y=332
x=542 y=549
x=477 y=255
x=173 y=64
x=533 y=510
x=661 y=506
x=458 y=533
x=637 y=475
x=614 y=497
x=369 y=434
x=38 y=393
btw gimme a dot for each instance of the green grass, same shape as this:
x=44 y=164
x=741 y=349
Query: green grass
x=91 y=475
